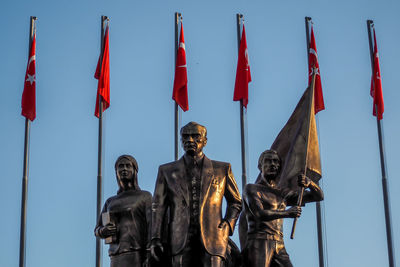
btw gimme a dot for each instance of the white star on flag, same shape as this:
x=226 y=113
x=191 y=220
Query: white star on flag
x=316 y=71
x=31 y=78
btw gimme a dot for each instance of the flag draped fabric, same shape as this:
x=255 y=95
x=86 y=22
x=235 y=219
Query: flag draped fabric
x=103 y=75
x=180 y=93
x=313 y=65
x=243 y=76
x=28 y=102
x=298 y=155
x=376 y=85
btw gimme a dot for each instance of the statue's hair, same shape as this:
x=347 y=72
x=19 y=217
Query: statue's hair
x=261 y=158
x=135 y=166
x=260 y=162
x=128 y=157
x=194 y=124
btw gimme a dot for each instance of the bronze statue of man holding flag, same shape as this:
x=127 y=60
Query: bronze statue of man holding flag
x=286 y=171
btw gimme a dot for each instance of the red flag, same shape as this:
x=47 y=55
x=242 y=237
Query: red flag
x=103 y=75
x=28 y=103
x=180 y=93
x=243 y=76
x=376 y=85
x=313 y=65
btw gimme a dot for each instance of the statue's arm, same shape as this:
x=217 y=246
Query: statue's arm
x=159 y=205
x=233 y=199
x=99 y=224
x=253 y=198
x=158 y=209
x=314 y=192
x=104 y=231
x=148 y=218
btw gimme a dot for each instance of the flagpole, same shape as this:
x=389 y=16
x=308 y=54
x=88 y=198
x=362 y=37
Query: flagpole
x=318 y=203
x=370 y=24
x=239 y=19
x=100 y=151
x=176 y=128
x=22 y=239
x=310 y=109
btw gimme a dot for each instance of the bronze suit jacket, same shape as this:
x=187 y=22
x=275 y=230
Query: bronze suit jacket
x=172 y=191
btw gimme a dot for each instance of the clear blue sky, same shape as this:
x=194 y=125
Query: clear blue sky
x=63 y=166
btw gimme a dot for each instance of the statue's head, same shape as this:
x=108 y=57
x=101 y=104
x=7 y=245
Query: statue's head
x=194 y=138
x=269 y=164
x=126 y=169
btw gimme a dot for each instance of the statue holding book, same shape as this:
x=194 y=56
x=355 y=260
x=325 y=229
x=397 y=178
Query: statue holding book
x=125 y=219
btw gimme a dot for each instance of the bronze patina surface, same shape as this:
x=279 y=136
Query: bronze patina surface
x=125 y=219
x=265 y=208
x=192 y=189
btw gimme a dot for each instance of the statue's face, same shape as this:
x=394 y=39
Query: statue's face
x=193 y=140
x=270 y=166
x=125 y=170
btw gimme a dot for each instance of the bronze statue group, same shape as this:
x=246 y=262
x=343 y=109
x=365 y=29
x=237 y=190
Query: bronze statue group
x=181 y=225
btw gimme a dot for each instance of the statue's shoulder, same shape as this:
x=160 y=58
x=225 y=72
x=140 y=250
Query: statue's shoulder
x=170 y=165
x=251 y=189
x=145 y=194
x=110 y=199
x=220 y=164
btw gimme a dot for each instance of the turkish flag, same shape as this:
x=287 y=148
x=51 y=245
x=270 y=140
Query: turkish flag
x=314 y=66
x=103 y=75
x=243 y=76
x=28 y=102
x=376 y=85
x=180 y=93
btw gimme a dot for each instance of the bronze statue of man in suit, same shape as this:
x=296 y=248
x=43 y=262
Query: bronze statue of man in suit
x=192 y=189
x=265 y=209
x=125 y=219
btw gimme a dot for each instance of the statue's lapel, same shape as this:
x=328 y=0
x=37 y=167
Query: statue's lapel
x=181 y=180
x=207 y=174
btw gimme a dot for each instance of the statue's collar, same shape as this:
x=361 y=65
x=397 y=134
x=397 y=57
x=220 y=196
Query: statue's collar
x=198 y=159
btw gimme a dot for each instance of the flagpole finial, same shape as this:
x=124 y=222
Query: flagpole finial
x=105 y=18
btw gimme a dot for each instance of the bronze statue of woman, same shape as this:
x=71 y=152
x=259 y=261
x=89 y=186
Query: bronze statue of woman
x=125 y=219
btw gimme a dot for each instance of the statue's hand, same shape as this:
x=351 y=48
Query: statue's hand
x=223 y=224
x=294 y=212
x=156 y=249
x=108 y=230
x=303 y=181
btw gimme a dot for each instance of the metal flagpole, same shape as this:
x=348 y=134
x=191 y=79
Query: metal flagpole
x=370 y=25
x=100 y=150
x=318 y=204
x=176 y=136
x=22 y=239
x=239 y=19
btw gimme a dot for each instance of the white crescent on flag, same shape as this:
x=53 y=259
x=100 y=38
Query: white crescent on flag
x=182 y=45
x=312 y=51
x=31 y=59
